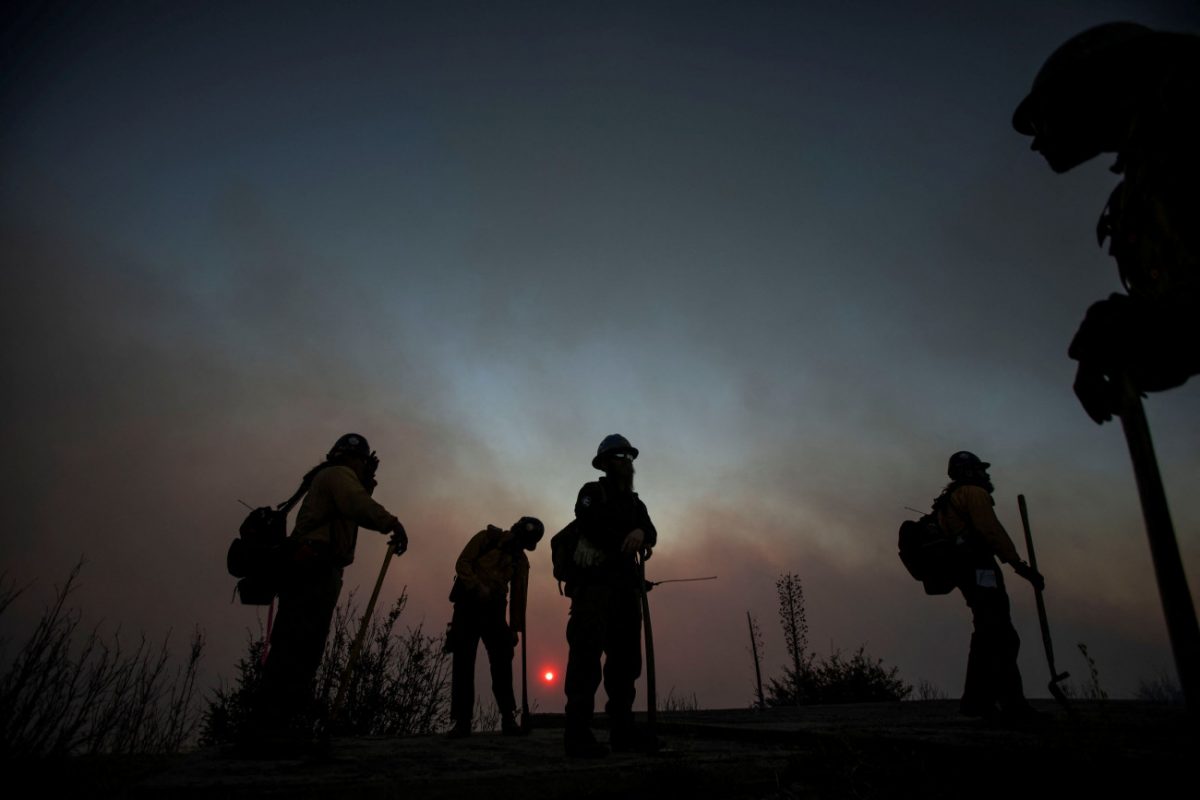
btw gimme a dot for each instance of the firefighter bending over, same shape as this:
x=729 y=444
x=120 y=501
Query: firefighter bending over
x=492 y=566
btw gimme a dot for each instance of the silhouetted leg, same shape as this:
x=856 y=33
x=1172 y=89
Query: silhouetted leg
x=306 y=606
x=623 y=656
x=465 y=626
x=585 y=642
x=497 y=639
x=992 y=672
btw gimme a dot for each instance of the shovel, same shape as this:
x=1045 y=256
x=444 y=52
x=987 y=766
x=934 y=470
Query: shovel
x=1055 y=675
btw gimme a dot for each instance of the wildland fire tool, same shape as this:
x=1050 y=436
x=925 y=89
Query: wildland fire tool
x=648 y=630
x=1055 y=675
x=526 y=719
x=356 y=647
x=651 y=689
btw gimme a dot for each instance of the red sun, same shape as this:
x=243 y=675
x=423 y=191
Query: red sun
x=548 y=676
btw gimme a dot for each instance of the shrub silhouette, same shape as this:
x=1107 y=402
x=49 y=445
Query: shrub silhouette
x=810 y=679
x=67 y=692
x=398 y=687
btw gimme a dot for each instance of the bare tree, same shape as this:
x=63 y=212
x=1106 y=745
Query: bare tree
x=832 y=679
x=792 y=618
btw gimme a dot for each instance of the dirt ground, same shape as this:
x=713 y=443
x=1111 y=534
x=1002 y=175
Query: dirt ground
x=910 y=749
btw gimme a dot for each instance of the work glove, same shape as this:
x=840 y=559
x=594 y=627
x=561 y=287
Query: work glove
x=399 y=538
x=633 y=542
x=1030 y=574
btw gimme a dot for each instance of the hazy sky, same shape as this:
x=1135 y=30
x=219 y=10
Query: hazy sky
x=794 y=252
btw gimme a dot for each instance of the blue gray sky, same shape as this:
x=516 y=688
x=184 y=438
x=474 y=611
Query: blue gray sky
x=794 y=252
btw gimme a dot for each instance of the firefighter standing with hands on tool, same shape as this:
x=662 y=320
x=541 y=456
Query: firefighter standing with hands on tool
x=964 y=512
x=606 y=612
x=492 y=565
x=322 y=544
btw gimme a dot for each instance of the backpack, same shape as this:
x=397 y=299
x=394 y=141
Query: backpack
x=568 y=562
x=259 y=554
x=562 y=556
x=929 y=553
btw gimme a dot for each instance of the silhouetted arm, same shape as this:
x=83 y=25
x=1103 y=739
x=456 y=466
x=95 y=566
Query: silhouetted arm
x=976 y=505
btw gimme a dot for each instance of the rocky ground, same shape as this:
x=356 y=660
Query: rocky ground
x=910 y=749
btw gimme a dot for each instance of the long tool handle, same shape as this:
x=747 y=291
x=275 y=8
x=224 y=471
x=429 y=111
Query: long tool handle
x=651 y=689
x=526 y=721
x=1164 y=550
x=356 y=648
x=1055 y=675
x=1037 y=593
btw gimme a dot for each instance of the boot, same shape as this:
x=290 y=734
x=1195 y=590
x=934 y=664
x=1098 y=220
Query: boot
x=582 y=744
x=633 y=740
x=509 y=725
x=461 y=729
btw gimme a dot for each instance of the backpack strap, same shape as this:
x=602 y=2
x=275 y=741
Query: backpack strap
x=305 y=485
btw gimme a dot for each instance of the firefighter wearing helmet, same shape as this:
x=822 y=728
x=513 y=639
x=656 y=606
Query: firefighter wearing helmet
x=1125 y=89
x=965 y=512
x=606 y=613
x=337 y=502
x=491 y=571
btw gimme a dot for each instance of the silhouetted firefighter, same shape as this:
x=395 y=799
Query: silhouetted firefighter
x=491 y=566
x=596 y=557
x=964 y=511
x=1125 y=89
x=321 y=545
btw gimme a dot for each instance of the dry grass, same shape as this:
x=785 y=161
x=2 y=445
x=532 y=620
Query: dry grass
x=71 y=691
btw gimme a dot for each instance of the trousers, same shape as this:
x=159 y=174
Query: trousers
x=307 y=601
x=992 y=673
x=605 y=621
x=472 y=622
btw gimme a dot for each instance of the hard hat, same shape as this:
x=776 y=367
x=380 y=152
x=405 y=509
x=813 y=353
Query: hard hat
x=963 y=461
x=529 y=530
x=350 y=444
x=613 y=444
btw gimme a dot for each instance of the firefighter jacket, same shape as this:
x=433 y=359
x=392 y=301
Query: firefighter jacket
x=606 y=515
x=336 y=505
x=967 y=512
x=493 y=559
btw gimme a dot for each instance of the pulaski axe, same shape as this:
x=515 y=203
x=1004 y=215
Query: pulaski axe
x=1055 y=675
